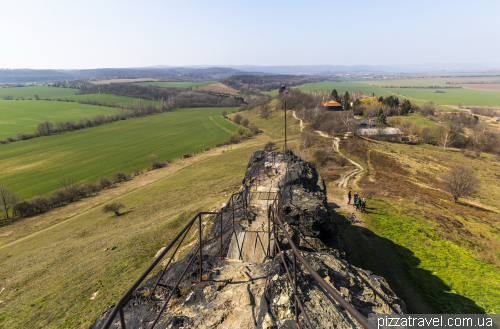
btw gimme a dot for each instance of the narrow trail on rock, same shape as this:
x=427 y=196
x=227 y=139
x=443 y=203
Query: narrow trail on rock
x=301 y=122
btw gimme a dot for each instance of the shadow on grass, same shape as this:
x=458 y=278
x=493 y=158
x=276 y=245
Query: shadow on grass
x=421 y=290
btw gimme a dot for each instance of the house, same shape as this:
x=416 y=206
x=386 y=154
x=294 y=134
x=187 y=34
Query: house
x=332 y=105
x=362 y=123
x=388 y=134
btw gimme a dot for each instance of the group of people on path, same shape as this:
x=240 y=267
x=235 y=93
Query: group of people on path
x=358 y=203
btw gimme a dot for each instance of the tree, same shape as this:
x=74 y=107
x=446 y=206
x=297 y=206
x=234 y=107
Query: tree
x=245 y=122
x=347 y=101
x=406 y=107
x=37 y=97
x=7 y=199
x=237 y=118
x=382 y=119
x=224 y=113
x=265 y=110
x=113 y=207
x=460 y=182
x=446 y=137
x=334 y=95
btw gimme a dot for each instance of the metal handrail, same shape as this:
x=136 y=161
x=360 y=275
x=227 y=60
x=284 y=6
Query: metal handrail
x=119 y=305
x=348 y=307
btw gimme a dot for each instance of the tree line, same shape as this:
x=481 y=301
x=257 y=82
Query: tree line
x=258 y=83
x=179 y=97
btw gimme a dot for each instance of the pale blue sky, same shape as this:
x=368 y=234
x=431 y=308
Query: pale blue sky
x=96 y=34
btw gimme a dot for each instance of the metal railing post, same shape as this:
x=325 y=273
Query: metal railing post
x=201 y=248
x=220 y=244
x=232 y=205
x=295 y=287
x=122 y=318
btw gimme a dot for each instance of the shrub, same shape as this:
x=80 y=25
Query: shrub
x=119 y=177
x=234 y=139
x=321 y=156
x=269 y=145
x=22 y=209
x=4 y=142
x=113 y=207
x=168 y=160
x=255 y=130
x=245 y=122
x=39 y=204
x=237 y=119
x=207 y=149
x=103 y=182
x=154 y=163
x=9 y=139
x=187 y=155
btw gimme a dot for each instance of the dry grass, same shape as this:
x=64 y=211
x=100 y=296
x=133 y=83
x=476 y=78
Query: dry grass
x=54 y=263
x=220 y=88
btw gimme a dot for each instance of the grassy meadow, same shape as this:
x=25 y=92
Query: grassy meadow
x=469 y=97
x=50 y=276
x=439 y=257
x=36 y=166
x=177 y=84
x=25 y=115
x=42 y=91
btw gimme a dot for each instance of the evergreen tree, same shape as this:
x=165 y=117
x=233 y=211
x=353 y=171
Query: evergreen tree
x=382 y=119
x=347 y=101
x=405 y=107
x=334 y=95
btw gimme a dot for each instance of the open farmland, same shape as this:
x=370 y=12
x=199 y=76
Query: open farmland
x=341 y=88
x=24 y=116
x=108 y=99
x=41 y=91
x=36 y=166
x=468 y=97
x=220 y=88
x=178 y=84
x=68 y=245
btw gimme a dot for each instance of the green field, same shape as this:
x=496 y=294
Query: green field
x=24 y=116
x=341 y=87
x=405 y=82
x=177 y=84
x=469 y=97
x=108 y=99
x=42 y=91
x=36 y=166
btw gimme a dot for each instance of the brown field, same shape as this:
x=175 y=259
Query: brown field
x=485 y=86
x=108 y=81
x=220 y=88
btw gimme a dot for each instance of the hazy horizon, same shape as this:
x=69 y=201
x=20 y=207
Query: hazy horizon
x=56 y=34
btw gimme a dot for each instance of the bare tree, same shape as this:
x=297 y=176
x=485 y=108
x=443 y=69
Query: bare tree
x=237 y=118
x=113 y=207
x=7 y=199
x=265 y=110
x=460 y=182
x=446 y=138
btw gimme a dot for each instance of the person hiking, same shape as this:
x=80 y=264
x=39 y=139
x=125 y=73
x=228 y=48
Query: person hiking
x=363 y=205
x=357 y=204
x=349 y=197
x=355 y=198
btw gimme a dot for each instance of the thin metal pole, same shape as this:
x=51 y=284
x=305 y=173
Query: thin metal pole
x=220 y=244
x=285 y=126
x=269 y=232
x=122 y=318
x=295 y=287
x=199 y=228
x=232 y=204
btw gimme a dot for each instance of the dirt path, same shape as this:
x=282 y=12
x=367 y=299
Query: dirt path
x=301 y=122
x=344 y=179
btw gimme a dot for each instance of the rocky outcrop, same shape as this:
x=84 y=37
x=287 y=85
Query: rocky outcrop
x=236 y=294
x=368 y=293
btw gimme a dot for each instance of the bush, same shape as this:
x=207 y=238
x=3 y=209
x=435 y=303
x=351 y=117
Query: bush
x=207 y=149
x=321 y=156
x=269 y=145
x=187 y=155
x=113 y=207
x=39 y=204
x=4 y=142
x=22 y=209
x=245 y=122
x=234 y=139
x=154 y=163
x=103 y=182
x=9 y=139
x=237 y=119
x=119 y=177
x=254 y=129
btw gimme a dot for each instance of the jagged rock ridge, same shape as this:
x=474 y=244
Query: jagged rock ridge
x=237 y=294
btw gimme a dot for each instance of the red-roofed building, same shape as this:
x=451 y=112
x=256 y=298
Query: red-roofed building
x=333 y=105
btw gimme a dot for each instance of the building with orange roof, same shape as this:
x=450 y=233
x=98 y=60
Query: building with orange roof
x=332 y=105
